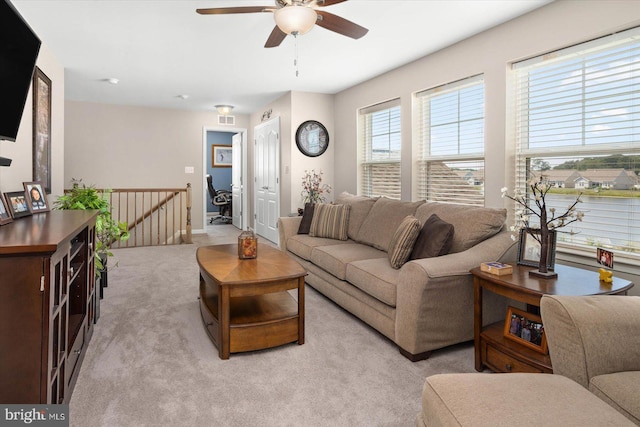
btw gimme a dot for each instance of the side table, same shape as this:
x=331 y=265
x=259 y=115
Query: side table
x=495 y=352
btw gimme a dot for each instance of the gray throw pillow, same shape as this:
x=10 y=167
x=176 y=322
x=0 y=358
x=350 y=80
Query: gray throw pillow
x=435 y=239
x=307 y=216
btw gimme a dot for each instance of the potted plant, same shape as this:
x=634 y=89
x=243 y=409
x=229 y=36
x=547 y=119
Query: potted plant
x=108 y=230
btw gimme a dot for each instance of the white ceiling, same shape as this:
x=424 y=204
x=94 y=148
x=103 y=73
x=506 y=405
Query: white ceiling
x=160 y=49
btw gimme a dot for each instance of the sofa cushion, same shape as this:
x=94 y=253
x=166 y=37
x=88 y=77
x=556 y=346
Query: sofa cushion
x=402 y=241
x=472 y=224
x=376 y=278
x=330 y=221
x=384 y=218
x=435 y=239
x=477 y=399
x=307 y=217
x=334 y=259
x=360 y=207
x=303 y=244
x=620 y=390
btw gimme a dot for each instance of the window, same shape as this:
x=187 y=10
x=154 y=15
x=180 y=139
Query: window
x=451 y=137
x=380 y=142
x=578 y=123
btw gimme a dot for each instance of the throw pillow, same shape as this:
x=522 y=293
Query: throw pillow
x=307 y=216
x=330 y=221
x=435 y=239
x=402 y=241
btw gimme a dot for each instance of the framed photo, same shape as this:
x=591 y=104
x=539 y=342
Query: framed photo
x=526 y=329
x=221 y=156
x=5 y=214
x=529 y=249
x=17 y=204
x=42 y=129
x=36 y=197
x=605 y=257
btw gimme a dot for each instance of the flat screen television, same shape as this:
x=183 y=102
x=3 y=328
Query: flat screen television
x=19 y=47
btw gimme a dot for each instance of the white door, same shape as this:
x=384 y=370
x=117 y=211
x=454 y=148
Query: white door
x=267 y=183
x=237 y=187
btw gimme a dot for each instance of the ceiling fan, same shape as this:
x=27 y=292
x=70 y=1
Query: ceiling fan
x=296 y=17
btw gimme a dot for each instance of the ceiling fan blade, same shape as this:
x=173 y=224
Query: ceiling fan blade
x=323 y=3
x=275 y=38
x=340 y=25
x=227 y=10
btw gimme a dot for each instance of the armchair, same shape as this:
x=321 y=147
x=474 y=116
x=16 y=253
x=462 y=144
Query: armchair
x=595 y=341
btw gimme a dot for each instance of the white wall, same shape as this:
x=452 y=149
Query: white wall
x=319 y=107
x=21 y=169
x=115 y=146
x=559 y=24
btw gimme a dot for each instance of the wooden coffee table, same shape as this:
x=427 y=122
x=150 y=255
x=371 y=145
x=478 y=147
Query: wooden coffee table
x=244 y=304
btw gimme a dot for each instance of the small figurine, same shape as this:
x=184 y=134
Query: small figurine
x=606 y=275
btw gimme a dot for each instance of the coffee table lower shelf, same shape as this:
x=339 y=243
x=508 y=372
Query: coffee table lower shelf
x=504 y=355
x=255 y=322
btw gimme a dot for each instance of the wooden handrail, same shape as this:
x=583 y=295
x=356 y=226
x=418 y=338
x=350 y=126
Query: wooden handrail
x=165 y=221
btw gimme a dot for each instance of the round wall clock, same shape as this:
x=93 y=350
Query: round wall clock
x=312 y=138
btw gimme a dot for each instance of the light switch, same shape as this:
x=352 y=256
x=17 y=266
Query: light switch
x=188 y=169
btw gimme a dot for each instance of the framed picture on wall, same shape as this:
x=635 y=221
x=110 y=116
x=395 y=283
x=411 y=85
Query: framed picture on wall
x=42 y=129
x=221 y=156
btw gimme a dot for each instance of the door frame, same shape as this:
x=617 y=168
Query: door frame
x=205 y=192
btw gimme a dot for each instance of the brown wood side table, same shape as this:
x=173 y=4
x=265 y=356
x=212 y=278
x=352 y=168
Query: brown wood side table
x=244 y=303
x=495 y=352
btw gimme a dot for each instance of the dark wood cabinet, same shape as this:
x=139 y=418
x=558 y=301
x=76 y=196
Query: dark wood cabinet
x=47 y=304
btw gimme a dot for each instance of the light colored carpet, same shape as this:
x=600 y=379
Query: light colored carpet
x=150 y=362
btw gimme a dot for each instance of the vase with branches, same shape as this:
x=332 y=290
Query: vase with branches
x=533 y=206
x=313 y=190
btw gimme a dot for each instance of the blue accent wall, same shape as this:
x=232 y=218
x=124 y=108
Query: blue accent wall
x=221 y=176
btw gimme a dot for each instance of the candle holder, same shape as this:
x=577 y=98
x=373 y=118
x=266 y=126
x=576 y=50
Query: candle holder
x=247 y=245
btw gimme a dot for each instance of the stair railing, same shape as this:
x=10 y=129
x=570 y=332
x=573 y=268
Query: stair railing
x=155 y=216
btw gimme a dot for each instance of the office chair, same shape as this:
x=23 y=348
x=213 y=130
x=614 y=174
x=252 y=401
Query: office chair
x=221 y=199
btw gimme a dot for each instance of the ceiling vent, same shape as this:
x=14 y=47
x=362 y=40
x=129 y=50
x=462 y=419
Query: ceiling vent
x=226 y=120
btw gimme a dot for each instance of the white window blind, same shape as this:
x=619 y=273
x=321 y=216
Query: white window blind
x=450 y=163
x=578 y=123
x=380 y=143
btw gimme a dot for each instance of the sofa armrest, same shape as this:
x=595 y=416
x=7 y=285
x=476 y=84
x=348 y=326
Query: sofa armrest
x=435 y=295
x=592 y=335
x=287 y=227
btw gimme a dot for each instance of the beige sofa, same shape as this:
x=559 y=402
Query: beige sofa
x=594 y=346
x=427 y=303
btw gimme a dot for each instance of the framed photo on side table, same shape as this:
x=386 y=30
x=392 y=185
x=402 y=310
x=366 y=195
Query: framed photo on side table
x=17 y=204
x=526 y=329
x=36 y=197
x=529 y=248
x=5 y=215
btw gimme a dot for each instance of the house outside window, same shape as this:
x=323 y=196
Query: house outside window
x=450 y=131
x=578 y=124
x=380 y=150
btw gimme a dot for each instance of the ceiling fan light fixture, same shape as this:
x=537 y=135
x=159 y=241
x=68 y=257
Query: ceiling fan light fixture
x=295 y=20
x=224 y=109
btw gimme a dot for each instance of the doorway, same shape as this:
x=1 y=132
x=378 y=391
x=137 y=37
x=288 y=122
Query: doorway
x=225 y=176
